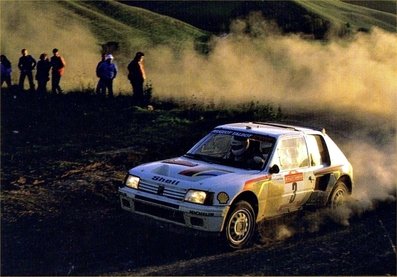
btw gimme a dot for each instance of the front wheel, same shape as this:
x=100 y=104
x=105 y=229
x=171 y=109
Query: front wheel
x=338 y=195
x=240 y=225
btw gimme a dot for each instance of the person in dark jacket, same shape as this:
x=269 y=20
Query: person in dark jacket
x=5 y=71
x=26 y=65
x=99 y=86
x=107 y=71
x=136 y=75
x=43 y=73
x=58 y=68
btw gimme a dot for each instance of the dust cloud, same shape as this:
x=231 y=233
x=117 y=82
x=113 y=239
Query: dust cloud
x=286 y=70
x=352 y=81
x=40 y=26
x=343 y=78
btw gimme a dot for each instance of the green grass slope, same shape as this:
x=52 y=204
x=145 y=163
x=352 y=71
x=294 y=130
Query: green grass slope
x=356 y=16
x=389 y=6
x=292 y=16
x=26 y=22
x=132 y=26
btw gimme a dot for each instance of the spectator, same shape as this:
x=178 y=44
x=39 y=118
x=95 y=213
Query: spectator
x=107 y=71
x=5 y=71
x=26 y=65
x=58 y=68
x=99 y=86
x=43 y=73
x=136 y=75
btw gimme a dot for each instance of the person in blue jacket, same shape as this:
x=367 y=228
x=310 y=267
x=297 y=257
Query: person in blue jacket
x=5 y=71
x=107 y=71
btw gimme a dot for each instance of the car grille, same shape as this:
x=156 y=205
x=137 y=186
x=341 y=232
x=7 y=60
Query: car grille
x=169 y=214
x=164 y=190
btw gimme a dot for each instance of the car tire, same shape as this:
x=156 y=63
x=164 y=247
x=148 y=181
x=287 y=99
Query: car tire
x=338 y=195
x=240 y=225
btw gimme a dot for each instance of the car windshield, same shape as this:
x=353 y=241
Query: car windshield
x=237 y=149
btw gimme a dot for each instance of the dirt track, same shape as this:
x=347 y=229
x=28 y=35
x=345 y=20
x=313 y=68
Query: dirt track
x=62 y=162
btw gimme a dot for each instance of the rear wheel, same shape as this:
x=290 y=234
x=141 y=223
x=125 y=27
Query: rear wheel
x=339 y=195
x=240 y=225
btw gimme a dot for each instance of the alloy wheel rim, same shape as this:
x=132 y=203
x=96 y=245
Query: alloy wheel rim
x=338 y=198
x=239 y=226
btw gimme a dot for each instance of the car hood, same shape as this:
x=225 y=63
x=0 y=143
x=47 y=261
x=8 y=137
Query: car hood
x=187 y=173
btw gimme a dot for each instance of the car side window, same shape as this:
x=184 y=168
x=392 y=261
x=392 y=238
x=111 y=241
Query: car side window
x=292 y=153
x=317 y=150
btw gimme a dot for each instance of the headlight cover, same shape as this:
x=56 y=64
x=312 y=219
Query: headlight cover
x=132 y=181
x=196 y=196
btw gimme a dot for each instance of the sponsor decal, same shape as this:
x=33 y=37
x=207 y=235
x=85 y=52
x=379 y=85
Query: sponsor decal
x=201 y=213
x=203 y=172
x=180 y=162
x=164 y=180
x=324 y=171
x=233 y=133
x=250 y=183
x=222 y=197
x=293 y=176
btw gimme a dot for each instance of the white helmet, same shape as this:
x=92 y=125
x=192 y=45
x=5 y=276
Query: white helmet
x=239 y=145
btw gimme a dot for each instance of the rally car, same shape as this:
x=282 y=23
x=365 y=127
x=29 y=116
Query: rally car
x=238 y=175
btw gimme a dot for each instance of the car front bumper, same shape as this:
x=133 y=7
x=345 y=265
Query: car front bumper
x=200 y=217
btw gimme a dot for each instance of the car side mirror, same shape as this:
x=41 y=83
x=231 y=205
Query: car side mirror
x=274 y=169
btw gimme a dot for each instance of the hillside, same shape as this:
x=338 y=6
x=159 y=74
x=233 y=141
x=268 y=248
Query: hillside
x=389 y=6
x=354 y=15
x=132 y=26
x=80 y=29
x=292 y=16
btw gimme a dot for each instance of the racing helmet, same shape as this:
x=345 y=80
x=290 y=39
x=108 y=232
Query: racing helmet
x=239 y=145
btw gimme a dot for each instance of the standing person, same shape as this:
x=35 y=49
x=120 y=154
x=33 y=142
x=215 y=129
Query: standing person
x=58 y=68
x=5 y=71
x=107 y=71
x=99 y=86
x=136 y=75
x=43 y=73
x=26 y=65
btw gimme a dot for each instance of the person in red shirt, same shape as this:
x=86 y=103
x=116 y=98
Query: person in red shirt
x=136 y=75
x=58 y=68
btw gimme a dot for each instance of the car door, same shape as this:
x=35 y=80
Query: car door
x=292 y=185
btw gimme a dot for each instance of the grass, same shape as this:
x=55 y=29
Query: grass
x=215 y=16
x=132 y=27
x=389 y=6
x=340 y=13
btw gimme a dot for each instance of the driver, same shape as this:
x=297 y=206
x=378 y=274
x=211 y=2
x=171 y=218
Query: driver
x=239 y=147
x=253 y=154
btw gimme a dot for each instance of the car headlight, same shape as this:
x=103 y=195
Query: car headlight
x=196 y=196
x=132 y=181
